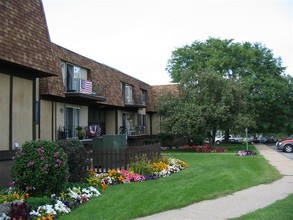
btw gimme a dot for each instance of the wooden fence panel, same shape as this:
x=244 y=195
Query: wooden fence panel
x=106 y=159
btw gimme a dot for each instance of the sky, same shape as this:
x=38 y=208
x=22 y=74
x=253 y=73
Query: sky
x=137 y=37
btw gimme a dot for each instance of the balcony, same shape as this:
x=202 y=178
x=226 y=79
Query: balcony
x=80 y=89
x=135 y=101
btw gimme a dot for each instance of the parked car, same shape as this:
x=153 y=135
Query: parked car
x=285 y=145
x=219 y=140
x=266 y=139
x=232 y=138
x=235 y=139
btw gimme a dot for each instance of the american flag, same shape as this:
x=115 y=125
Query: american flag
x=86 y=86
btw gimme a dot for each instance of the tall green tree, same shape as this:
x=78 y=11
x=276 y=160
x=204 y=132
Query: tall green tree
x=206 y=102
x=230 y=85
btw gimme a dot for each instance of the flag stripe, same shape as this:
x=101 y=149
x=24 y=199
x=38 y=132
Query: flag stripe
x=86 y=87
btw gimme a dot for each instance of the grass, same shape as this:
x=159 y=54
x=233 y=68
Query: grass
x=281 y=209
x=209 y=176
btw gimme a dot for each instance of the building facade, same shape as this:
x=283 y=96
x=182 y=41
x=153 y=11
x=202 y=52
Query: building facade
x=47 y=91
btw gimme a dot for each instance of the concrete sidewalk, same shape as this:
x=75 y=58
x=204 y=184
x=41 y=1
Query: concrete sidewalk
x=241 y=202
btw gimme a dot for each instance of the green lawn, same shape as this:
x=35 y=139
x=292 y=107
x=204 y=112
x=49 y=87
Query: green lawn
x=209 y=176
x=281 y=209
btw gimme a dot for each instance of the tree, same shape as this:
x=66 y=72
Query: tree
x=251 y=67
x=206 y=103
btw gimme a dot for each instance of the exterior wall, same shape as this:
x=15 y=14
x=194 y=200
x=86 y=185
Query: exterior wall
x=99 y=74
x=22 y=110
x=83 y=116
x=156 y=124
x=4 y=113
x=149 y=124
x=46 y=120
x=110 y=122
x=60 y=114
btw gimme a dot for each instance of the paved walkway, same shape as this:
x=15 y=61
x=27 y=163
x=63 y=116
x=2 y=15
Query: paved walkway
x=241 y=202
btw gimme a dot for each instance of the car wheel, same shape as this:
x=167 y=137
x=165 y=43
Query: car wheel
x=288 y=148
x=218 y=142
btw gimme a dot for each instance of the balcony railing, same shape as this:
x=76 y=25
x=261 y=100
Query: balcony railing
x=135 y=101
x=138 y=130
x=86 y=89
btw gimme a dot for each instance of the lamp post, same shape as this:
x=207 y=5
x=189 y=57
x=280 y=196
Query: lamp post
x=246 y=130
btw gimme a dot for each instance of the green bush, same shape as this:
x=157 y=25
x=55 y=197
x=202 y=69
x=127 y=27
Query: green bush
x=40 y=168
x=77 y=159
x=35 y=202
x=141 y=165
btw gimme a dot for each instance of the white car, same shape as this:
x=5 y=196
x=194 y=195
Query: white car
x=232 y=138
x=219 y=140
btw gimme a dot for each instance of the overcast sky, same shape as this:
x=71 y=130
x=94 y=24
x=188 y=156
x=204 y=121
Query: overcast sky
x=137 y=37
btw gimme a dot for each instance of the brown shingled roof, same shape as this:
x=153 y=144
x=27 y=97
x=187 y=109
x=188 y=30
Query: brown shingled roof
x=161 y=89
x=24 y=36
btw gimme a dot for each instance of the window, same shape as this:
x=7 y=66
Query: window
x=143 y=96
x=127 y=91
x=75 y=78
x=141 y=120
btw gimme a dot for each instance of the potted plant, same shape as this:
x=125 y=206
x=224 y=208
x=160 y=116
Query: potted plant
x=79 y=132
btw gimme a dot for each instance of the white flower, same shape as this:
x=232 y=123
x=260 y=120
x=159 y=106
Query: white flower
x=35 y=213
x=94 y=191
x=3 y=216
x=61 y=207
x=48 y=209
x=73 y=194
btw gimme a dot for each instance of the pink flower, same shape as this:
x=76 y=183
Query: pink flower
x=56 y=154
x=42 y=158
x=59 y=161
x=56 y=165
x=84 y=199
x=30 y=163
x=40 y=150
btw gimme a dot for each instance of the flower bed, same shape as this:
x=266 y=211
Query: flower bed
x=246 y=153
x=66 y=201
x=199 y=148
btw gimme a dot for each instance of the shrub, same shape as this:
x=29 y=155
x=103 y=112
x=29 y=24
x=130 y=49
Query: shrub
x=35 y=202
x=140 y=165
x=77 y=159
x=40 y=168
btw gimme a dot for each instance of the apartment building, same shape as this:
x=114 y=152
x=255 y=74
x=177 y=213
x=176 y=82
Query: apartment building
x=47 y=91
